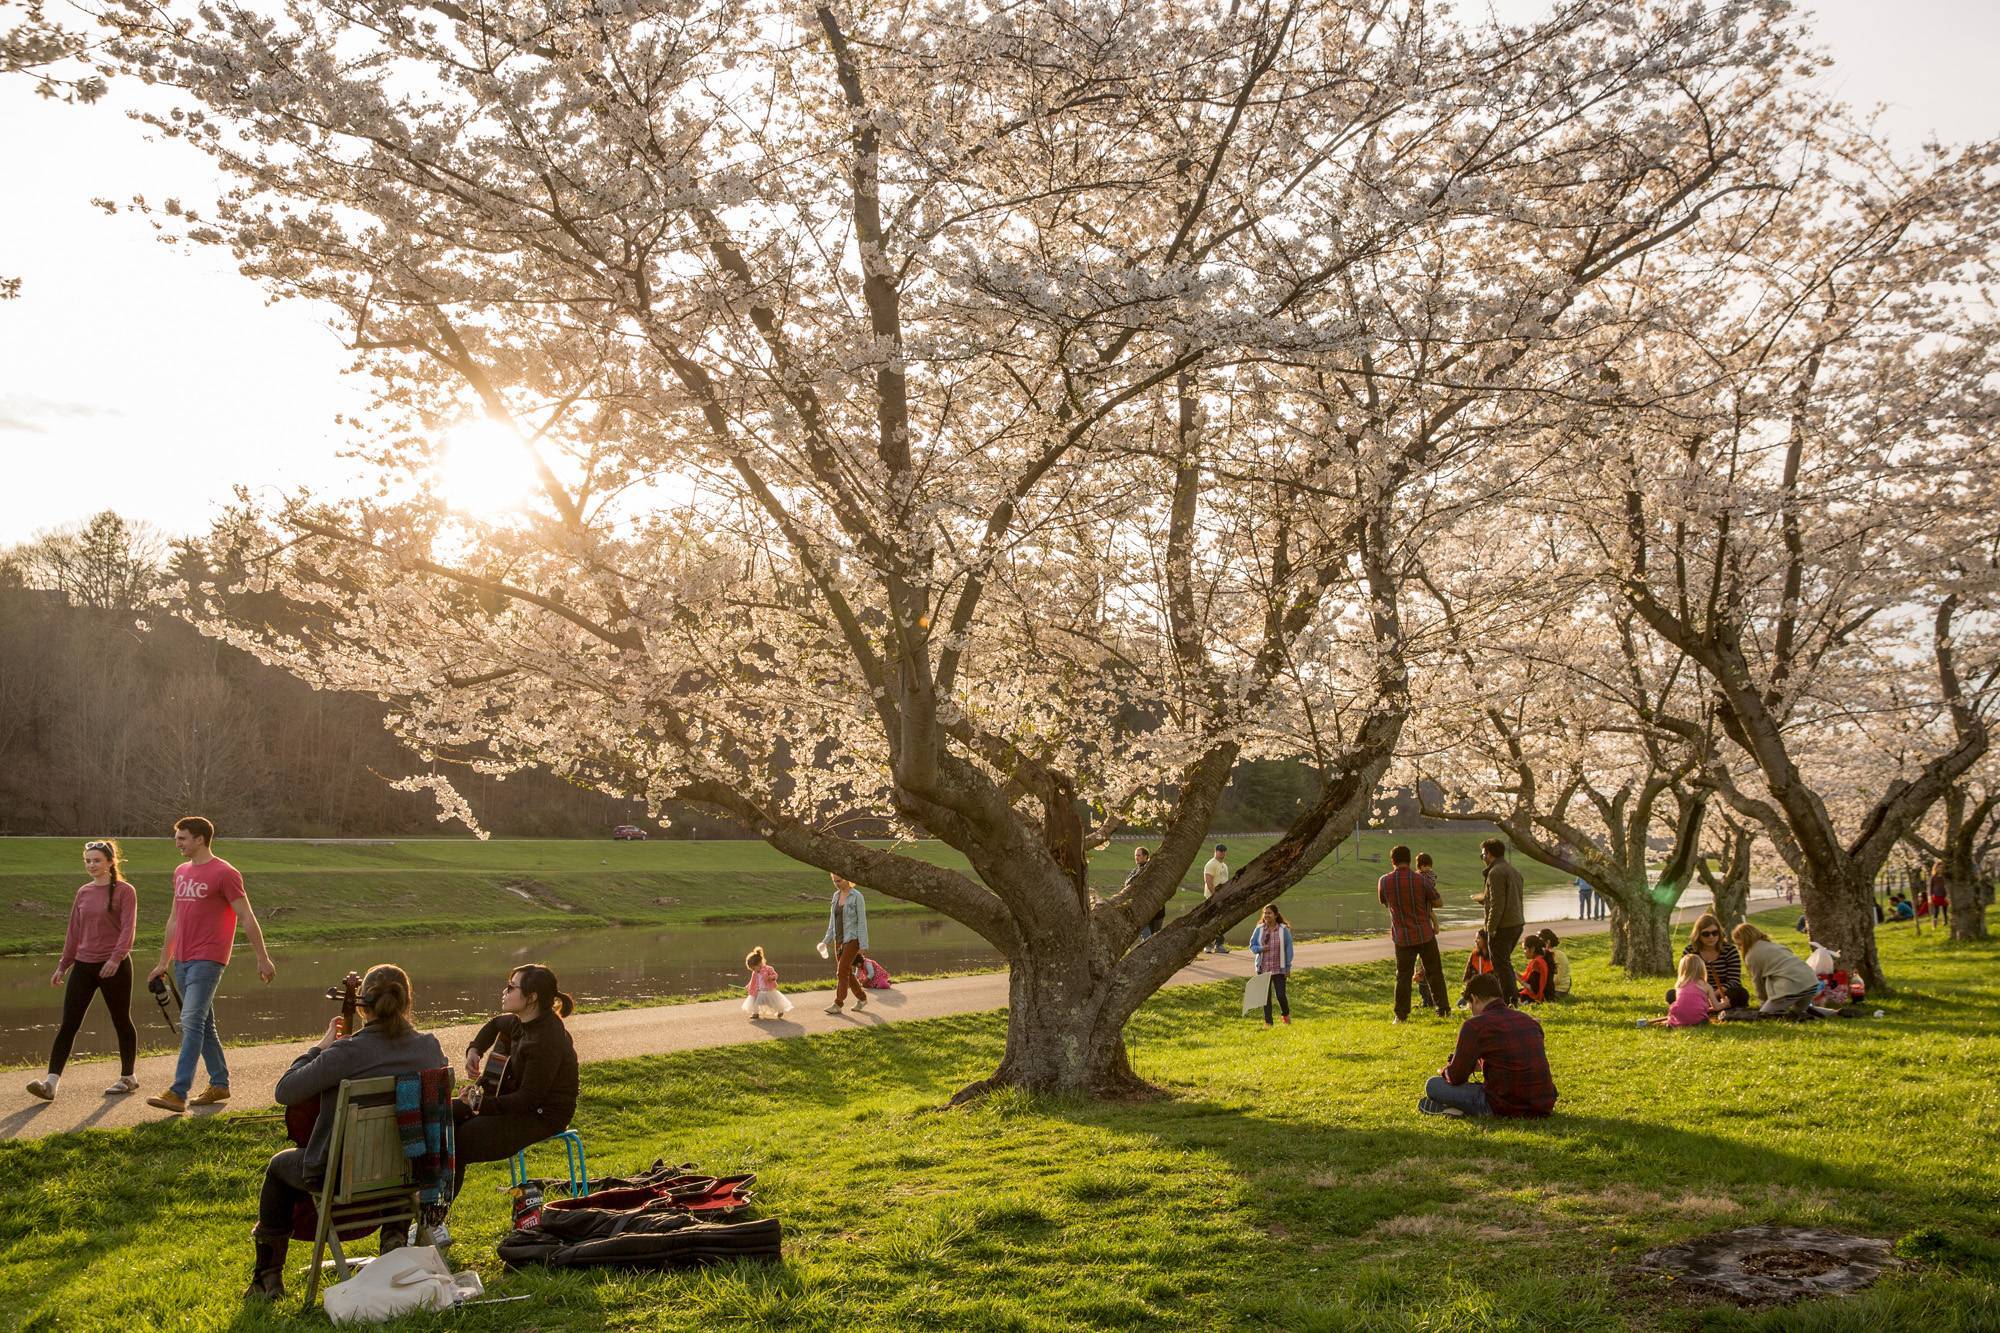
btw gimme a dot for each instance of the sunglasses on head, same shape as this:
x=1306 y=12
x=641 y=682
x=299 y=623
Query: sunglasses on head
x=97 y=846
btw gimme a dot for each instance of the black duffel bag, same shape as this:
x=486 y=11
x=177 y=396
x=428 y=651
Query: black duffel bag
x=592 y=1238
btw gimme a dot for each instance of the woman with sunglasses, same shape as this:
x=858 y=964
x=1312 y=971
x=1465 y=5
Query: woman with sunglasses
x=530 y=1063
x=1725 y=964
x=97 y=956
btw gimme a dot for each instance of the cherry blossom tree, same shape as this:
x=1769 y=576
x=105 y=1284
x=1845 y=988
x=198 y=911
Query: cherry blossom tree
x=1792 y=484
x=1545 y=725
x=1003 y=422
x=1963 y=834
x=1725 y=870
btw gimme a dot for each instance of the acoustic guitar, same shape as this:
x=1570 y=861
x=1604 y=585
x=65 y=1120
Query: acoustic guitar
x=491 y=1073
x=300 y=1119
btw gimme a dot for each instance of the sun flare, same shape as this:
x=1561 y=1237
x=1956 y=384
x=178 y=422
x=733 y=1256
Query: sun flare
x=484 y=469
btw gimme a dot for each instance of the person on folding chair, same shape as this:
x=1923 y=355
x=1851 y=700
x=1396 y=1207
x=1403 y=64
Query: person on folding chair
x=385 y=1044
x=523 y=1070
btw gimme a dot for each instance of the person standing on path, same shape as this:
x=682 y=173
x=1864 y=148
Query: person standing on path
x=201 y=932
x=846 y=936
x=1504 y=915
x=1140 y=856
x=1271 y=942
x=97 y=955
x=1412 y=900
x=1584 y=894
x=1214 y=875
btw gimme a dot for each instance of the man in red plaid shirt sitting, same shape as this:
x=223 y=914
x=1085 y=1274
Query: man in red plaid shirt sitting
x=1412 y=899
x=1507 y=1045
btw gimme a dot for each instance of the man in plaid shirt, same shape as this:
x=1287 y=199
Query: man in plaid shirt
x=1507 y=1045
x=1412 y=900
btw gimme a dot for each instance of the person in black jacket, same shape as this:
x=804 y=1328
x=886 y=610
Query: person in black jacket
x=536 y=1081
x=385 y=1044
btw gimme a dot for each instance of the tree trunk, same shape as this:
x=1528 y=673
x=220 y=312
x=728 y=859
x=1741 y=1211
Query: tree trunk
x=1968 y=916
x=1642 y=937
x=1058 y=1038
x=1732 y=895
x=1840 y=913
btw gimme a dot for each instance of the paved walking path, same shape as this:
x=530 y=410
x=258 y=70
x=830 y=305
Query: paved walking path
x=621 y=1033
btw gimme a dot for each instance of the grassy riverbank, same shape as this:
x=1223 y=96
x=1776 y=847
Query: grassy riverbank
x=320 y=890
x=1284 y=1183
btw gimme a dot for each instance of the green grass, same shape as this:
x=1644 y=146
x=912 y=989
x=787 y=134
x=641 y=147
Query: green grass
x=310 y=890
x=1285 y=1183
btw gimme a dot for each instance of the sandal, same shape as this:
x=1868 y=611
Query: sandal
x=122 y=1086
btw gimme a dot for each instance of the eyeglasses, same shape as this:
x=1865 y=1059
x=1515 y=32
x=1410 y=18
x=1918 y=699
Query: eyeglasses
x=97 y=847
x=509 y=986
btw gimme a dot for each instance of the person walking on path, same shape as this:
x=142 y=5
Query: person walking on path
x=1507 y=1045
x=201 y=932
x=846 y=936
x=97 y=955
x=1584 y=894
x=1215 y=874
x=1504 y=916
x=1271 y=943
x=1412 y=899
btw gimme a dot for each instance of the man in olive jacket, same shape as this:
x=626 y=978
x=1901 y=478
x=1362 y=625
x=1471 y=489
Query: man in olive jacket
x=1504 y=917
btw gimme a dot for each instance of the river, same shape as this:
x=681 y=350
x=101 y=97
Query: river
x=459 y=979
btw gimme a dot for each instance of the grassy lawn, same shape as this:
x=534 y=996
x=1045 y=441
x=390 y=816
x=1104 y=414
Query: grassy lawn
x=1285 y=1182
x=308 y=890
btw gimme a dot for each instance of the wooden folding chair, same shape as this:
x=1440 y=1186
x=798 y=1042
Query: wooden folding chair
x=368 y=1181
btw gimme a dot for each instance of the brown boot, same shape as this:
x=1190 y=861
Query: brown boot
x=267 y=1279
x=209 y=1096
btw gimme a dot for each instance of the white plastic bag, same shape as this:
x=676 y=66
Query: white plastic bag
x=1256 y=992
x=400 y=1282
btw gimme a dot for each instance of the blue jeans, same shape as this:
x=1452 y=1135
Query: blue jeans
x=1467 y=1097
x=197 y=983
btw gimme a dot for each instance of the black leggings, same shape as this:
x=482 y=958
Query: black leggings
x=1278 y=994
x=495 y=1138
x=84 y=983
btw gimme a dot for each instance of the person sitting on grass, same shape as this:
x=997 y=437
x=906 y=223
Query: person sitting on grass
x=1785 y=983
x=386 y=1043
x=1691 y=1001
x=1535 y=977
x=1724 y=964
x=1479 y=963
x=1504 y=1043
x=1901 y=907
x=1558 y=964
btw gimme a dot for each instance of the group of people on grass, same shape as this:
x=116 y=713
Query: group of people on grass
x=1409 y=890
x=1715 y=966
x=521 y=1066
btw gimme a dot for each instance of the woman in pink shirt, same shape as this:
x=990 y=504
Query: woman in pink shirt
x=97 y=955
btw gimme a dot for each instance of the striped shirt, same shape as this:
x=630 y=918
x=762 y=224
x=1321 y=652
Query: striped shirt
x=1725 y=969
x=1410 y=898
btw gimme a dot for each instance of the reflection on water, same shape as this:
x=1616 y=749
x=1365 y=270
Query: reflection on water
x=458 y=979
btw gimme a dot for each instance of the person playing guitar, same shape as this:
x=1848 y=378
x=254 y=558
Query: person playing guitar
x=386 y=1043
x=523 y=1067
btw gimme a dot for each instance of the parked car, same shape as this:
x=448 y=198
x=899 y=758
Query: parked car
x=628 y=833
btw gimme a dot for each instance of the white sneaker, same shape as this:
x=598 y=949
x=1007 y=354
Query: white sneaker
x=40 y=1088
x=122 y=1086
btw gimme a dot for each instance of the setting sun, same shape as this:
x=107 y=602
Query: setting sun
x=484 y=468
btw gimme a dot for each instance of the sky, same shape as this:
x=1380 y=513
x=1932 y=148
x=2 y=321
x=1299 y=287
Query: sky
x=152 y=380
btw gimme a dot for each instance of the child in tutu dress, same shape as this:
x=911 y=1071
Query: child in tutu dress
x=762 y=999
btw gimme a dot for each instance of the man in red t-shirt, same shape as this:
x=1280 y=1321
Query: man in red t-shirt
x=201 y=931
x=1507 y=1045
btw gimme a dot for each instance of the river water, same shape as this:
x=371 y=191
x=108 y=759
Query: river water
x=459 y=979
